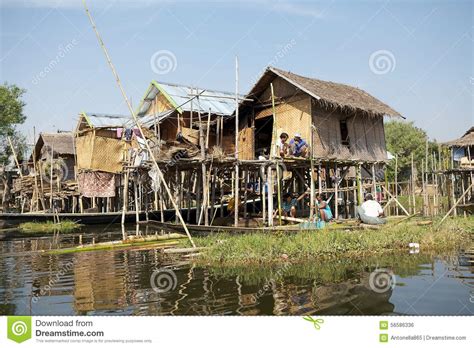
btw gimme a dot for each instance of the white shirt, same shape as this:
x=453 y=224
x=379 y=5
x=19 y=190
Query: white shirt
x=372 y=208
x=278 y=147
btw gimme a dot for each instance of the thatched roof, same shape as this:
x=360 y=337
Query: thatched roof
x=466 y=140
x=60 y=143
x=329 y=94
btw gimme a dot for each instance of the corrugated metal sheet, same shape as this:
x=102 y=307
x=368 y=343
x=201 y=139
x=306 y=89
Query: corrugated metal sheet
x=220 y=103
x=106 y=120
x=148 y=120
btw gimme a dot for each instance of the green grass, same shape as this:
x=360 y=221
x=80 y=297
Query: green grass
x=326 y=244
x=49 y=227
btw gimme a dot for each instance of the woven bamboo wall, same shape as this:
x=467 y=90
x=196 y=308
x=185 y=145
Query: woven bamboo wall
x=367 y=137
x=327 y=135
x=100 y=153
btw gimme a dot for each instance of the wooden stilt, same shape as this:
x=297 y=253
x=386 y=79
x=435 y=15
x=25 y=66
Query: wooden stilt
x=270 y=196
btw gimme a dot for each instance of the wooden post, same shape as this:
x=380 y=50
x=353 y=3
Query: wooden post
x=336 y=193
x=270 y=196
x=262 y=192
x=125 y=188
x=221 y=187
x=213 y=192
x=135 y=196
x=51 y=180
x=320 y=181
x=273 y=151
x=189 y=184
x=374 y=183
x=246 y=181
x=236 y=182
x=396 y=183
x=208 y=128
x=198 y=196
x=413 y=184
x=360 y=197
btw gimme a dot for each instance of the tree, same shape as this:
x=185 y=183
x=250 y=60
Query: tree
x=11 y=115
x=404 y=139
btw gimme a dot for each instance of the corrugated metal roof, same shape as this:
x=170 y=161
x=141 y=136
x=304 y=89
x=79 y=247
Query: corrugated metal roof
x=106 y=120
x=220 y=103
x=149 y=120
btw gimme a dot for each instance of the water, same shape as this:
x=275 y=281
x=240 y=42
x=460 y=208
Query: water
x=118 y=282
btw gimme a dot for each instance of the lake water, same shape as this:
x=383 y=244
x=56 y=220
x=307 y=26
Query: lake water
x=146 y=282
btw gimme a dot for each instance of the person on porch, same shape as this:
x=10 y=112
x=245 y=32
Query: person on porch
x=299 y=147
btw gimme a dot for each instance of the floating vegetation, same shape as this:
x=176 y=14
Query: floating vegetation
x=49 y=227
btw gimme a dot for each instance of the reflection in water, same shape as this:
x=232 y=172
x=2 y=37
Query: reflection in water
x=118 y=282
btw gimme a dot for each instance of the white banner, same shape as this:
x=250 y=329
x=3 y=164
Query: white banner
x=370 y=331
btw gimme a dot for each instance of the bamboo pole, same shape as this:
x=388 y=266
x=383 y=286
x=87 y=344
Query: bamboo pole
x=208 y=128
x=160 y=174
x=36 y=191
x=51 y=180
x=15 y=156
x=135 y=195
x=270 y=196
x=320 y=181
x=360 y=197
x=396 y=182
x=413 y=184
x=336 y=196
x=276 y=161
x=374 y=183
x=213 y=191
x=236 y=182
x=456 y=204
x=262 y=192
x=245 y=172
x=396 y=201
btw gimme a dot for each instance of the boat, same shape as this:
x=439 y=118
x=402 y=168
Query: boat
x=82 y=218
x=203 y=230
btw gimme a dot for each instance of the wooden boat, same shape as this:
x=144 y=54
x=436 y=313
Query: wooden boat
x=84 y=218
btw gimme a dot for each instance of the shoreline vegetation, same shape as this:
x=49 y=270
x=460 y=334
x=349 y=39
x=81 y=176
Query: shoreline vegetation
x=259 y=248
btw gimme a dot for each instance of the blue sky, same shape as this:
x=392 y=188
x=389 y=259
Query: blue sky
x=416 y=56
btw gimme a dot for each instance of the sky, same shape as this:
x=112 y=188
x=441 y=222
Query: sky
x=416 y=56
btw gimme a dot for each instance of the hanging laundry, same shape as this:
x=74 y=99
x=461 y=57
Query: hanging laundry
x=97 y=184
